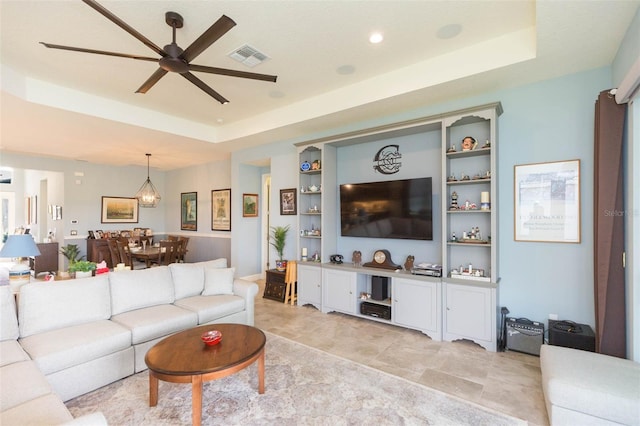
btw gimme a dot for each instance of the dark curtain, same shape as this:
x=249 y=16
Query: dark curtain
x=609 y=285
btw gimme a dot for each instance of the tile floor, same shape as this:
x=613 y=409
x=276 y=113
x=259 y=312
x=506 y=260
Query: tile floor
x=505 y=381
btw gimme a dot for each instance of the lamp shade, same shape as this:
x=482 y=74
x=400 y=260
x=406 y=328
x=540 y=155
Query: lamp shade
x=19 y=246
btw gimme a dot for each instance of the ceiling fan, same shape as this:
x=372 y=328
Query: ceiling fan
x=173 y=58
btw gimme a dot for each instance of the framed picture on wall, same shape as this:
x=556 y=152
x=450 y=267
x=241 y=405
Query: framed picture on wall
x=189 y=211
x=221 y=210
x=249 y=205
x=288 y=202
x=119 y=210
x=547 y=202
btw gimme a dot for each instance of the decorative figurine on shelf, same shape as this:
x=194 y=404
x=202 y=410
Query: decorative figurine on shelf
x=487 y=144
x=315 y=165
x=452 y=148
x=452 y=178
x=454 y=201
x=469 y=143
x=454 y=239
x=408 y=264
x=356 y=258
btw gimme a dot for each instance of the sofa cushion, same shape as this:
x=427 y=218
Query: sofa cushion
x=210 y=308
x=188 y=278
x=8 y=315
x=137 y=289
x=20 y=382
x=218 y=281
x=10 y=352
x=156 y=321
x=66 y=347
x=600 y=386
x=45 y=410
x=45 y=306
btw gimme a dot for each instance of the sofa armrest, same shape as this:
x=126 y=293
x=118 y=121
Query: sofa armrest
x=248 y=291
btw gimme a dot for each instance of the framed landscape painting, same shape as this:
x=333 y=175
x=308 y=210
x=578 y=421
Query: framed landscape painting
x=189 y=211
x=249 y=205
x=221 y=210
x=119 y=210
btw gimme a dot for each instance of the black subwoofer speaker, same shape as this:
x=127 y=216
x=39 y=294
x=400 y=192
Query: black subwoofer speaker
x=379 y=287
x=572 y=335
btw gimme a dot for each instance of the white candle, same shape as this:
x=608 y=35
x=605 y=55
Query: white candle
x=304 y=251
x=484 y=197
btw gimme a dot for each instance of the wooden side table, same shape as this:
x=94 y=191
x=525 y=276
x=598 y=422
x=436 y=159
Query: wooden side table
x=275 y=288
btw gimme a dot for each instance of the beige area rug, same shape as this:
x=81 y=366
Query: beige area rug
x=303 y=386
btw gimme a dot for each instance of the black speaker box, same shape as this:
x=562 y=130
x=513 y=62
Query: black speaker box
x=379 y=287
x=524 y=335
x=572 y=335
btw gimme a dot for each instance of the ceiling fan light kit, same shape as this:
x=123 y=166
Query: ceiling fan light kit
x=173 y=57
x=148 y=195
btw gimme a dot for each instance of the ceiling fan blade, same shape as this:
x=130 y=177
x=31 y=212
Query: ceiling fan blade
x=98 y=52
x=119 y=22
x=215 y=31
x=233 y=73
x=208 y=90
x=151 y=80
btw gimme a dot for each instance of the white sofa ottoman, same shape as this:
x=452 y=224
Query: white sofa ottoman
x=586 y=388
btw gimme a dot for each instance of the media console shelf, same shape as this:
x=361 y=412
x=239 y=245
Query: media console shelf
x=413 y=301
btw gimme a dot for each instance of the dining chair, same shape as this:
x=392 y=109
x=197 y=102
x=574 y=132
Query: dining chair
x=125 y=254
x=169 y=251
x=113 y=249
x=173 y=237
x=184 y=241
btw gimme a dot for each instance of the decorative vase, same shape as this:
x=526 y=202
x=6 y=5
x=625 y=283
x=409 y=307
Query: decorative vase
x=281 y=265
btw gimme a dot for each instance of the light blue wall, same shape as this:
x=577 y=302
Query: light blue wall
x=547 y=121
x=420 y=158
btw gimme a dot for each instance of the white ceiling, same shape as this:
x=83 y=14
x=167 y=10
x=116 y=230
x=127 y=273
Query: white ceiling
x=82 y=106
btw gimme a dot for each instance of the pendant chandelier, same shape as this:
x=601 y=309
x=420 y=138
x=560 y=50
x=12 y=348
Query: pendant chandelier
x=148 y=195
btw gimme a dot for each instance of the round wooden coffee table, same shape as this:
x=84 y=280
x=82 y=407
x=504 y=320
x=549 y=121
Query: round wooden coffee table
x=184 y=358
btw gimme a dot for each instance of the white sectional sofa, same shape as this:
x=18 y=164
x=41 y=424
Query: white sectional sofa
x=71 y=337
x=587 y=388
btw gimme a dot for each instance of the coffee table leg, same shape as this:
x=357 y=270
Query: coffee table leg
x=261 y=373
x=196 y=400
x=153 y=390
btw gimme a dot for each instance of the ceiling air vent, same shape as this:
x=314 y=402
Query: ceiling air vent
x=250 y=56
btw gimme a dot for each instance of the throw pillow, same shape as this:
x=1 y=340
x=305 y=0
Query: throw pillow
x=218 y=281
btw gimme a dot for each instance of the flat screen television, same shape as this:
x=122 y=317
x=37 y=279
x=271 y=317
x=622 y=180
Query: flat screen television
x=399 y=209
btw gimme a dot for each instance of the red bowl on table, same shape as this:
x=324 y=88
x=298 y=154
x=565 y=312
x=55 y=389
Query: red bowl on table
x=212 y=337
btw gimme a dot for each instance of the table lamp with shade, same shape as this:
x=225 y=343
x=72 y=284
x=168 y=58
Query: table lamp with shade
x=19 y=246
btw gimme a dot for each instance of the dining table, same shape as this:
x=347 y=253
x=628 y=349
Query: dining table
x=146 y=254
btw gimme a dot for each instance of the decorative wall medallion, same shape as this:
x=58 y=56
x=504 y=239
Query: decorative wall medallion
x=387 y=160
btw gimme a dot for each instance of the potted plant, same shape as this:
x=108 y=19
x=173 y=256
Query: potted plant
x=72 y=253
x=278 y=239
x=82 y=268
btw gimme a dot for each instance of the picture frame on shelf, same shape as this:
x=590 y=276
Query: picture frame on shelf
x=547 y=202
x=189 y=211
x=221 y=209
x=288 y=201
x=249 y=205
x=119 y=210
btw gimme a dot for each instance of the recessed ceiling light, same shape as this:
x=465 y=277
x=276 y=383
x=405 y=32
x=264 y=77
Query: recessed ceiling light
x=376 y=38
x=449 y=31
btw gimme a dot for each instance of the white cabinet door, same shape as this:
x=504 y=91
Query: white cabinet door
x=338 y=291
x=416 y=305
x=310 y=285
x=470 y=313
